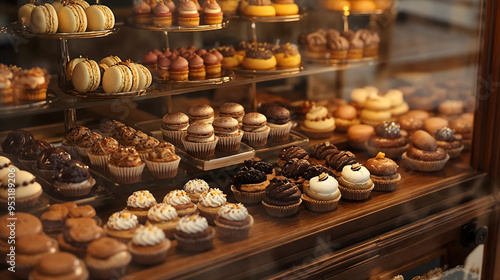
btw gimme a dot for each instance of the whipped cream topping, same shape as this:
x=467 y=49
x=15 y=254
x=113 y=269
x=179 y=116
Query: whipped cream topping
x=4 y=83
x=177 y=197
x=323 y=185
x=122 y=221
x=233 y=212
x=192 y=224
x=196 y=186
x=141 y=199
x=162 y=212
x=213 y=198
x=148 y=236
x=355 y=176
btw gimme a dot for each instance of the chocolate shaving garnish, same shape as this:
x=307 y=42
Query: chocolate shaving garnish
x=356 y=167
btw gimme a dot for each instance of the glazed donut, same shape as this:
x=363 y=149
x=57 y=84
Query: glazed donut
x=418 y=154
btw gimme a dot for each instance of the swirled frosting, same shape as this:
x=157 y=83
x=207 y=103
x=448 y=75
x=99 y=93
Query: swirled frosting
x=162 y=212
x=233 y=212
x=187 y=8
x=319 y=118
x=141 y=199
x=213 y=198
x=196 y=186
x=177 y=197
x=122 y=221
x=192 y=224
x=148 y=236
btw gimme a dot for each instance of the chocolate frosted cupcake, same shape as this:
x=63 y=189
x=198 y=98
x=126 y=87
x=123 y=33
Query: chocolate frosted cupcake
x=424 y=153
x=165 y=217
x=282 y=197
x=194 y=234
x=261 y=165
x=233 y=222
x=107 y=258
x=73 y=137
x=139 y=204
x=29 y=153
x=294 y=170
x=388 y=139
x=278 y=120
x=15 y=141
x=27 y=190
x=162 y=161
x=180 y=200
x=101 y=151
x=126 y=166
x=249 y=185
x=383 y=172
x=149 y=246
x=79 y=232
x=321 y=194
x=73 y=179
x=355 y=182
x=174 y=127
x=51 y=159
x=337 y=160
x=291 y=152
x=320 y=151
x=228 y=132
x=451 y=143
x=121 y=226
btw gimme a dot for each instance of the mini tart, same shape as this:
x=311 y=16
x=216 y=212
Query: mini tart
x=452 y=144
x=259 y=59
x=233 y=222
x=383 y=173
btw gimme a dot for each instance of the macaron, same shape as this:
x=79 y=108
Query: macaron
x=24 y=14
x=135 y=74
x=118 y=78
x=70 y=67
x=175 y=120
x=86 y=76
x=57 y=4
x=201 y=113
x=200 y=131
x=145 y=77
x=72 y=19
x=230 y=109
x=44 y=19
x=99 y=17
x=224 y=125
x=110 y=60
x=254 y=120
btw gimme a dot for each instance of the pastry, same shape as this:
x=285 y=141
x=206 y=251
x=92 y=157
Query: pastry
x=171 y=5
x=451 y=143
x=314 y=44
x=79 y=232
x=50 y=160
x=121 y=226
x=60 y=265
x=337 y=160
x=433 y=124
x=410 y=124
x=387 y=139
x=142 y=13
x=100 y=152
x=282 y=198
x=15 y=141
x=145 y=77
x=287 y=56
x=71 y=18
x=44 y=19
x=126 y=165
x=163 y=68
x=234 y=110
x=164 y=217
x=29 y=153
x=355 y=182
x=278 y=120
x=200 y=140
x=162 y=16
x=72 y=138
x=285 y=7
x=72 y=179
x=241 y=49
x=319 y=124
x=27 y=190
x=320 y=151
x=70 y=67
x=174 y=127
x=249 y=185
x=180 y=200
x=229 y=60
x=259 y=8
x=86 y=143
x=83 y=211
x=233 y=222
x=358 y=135
x=210 y=203
x=53 y=221
x=259 y=58
x=107 y=258
x=376 y=109
x=149 y=246
x=162 y=161
x=321 y=193
x=24 y=14
x=29 y=250
x=196 y=68
x=294 y=170
x=255 y=129
x=291 y=152
x=139 y=204
x=99 y=17
x=424 y=154
x=212 y=12
x=194 y=188
x=228 y=132
x=463 y=127
x=261 y=165
x=187 y=14
x=86 y=76
x=383 y=172
x=179 y=69
x=371 y=42
x=31 y=85
x=451 y=109
x=26 y=224
x=213 y=65
x=337 y=45
x=363 y=5
x=150 y=60
x=194 y=234
x=398 y=105
x=345 y=116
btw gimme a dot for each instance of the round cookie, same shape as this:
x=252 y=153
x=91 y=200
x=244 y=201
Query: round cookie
x=24 y=14
x=110 y=60
x=99 y=17
x=70 y=67
x=86 y=76
x=118 y=78
x=44 y=19
x=72 y=19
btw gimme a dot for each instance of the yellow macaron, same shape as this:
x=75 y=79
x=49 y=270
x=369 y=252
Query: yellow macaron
x=99 y=17
x=44 y=19
x=86 y=76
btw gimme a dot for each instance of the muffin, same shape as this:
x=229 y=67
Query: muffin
x=86 y=143
x=320 y=151
x=60 y=265
x=29 y=250
x=72 y=138
x=383 y=173
x=27 y=190
x=255 y=129
x=282 y=198
x=194 y=234
x=146 y=145
x=126 y=166
x=100 y=152
x=233 y=222
x=424 y=154
x=249 y=185
x=194 y=188
x=29 y=153
x=337 y=160
x=319 y=124
x=210 y=203
x=358 y=135
x=15 y=141
x=321 y=194
x=162 y=161
x=278 y=120
x=139 y=204
x=451 y=143
x=164 y=217
x=261 y=165
x=291 y=152
x=121 y=226
x=387 y=139
x=73 y=179
x=174 y=127
x=180 y=200
x=345 y=116
x=149 y=246
x=133 y=139
x=123 y=132
x=107 y=258
x=233 y=110
x=212 y=12
x=228 y=132
x=355 y=182
x=200 y=140
x=31 y=85
x=79 y=232
x=50 y=160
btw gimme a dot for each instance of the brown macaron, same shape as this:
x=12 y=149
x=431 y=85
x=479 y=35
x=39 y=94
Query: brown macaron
x=175 y=121
x=233 y=110
x=199 y=130
x=254 y=120
x=277 y=115
x=225 y=125
x=201 y=112
x=25 y=224
x=60 y=265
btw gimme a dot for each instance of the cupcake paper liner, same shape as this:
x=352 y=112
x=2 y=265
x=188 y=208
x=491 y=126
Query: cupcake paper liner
x=317 y=134
x=425 y=166
x=174 y=136
x=114 y=272
x=200 y=150
x=71 y=191
x=126 y=175
x=196 y=245
x=454 y=153
x=320 y=205
x=280 y=134
x=232 y=233
x=99 y=162
x=72 y=150
x=83 y=152
x=281 y=211
x=355 y=194
x=393 y=153
x=22 y=203
x=208 y=213
x=256 y=139
x=46 y=173
x=229 y=143
x=371 y=51
x=167 y=227
x=247 y=197
x=149 y=257
x=385 y=185
x=163 y=170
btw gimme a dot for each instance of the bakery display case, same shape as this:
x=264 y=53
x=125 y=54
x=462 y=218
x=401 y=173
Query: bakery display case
x=432 y=64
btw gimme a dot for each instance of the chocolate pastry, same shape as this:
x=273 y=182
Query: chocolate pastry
x=293 y=152
x=125 y=157
x=52 y=158
x=72 y=171
x=446 y=138
x=122 y=132
x=15 y=141
x=424 y=141
x=339 y=159
x=247 y=175
x=110 y=125
x=277 y=115
x=77 y=133
x=419 y=154
x=281 y=191
x=388 y=135
x=381 y=166
x=315 y=170
x=259 y=165
x=390 y=130
x=322 y=150
x=295 y=168
x=35 y=147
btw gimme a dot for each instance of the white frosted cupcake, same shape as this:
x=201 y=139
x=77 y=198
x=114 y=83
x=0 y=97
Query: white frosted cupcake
x=149 y=246
x=121 y=226
x=195 y=187
x=139 y=204
x=194 y=234
x=165 y=217
x=233 y=222
x=180 y=200
x=355 y=182
x=27 y=190
x=321 y=194
x=210 y=203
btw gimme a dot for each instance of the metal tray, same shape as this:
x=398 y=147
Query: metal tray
x=290 y=18
x=227 y=75
x=78 y=35
x=277 y=71
x=175 y=28
x=51 y=97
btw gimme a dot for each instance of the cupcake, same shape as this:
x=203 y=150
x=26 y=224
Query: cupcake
x=321 y=194
x=162 y=161
x=174 y=127
x=72 y=138
x=337 y=160
x=233 y=110
x=210 y=203
x=194 y=234
x=424 y=154
x=233 y=222
x=73 y=179
x=387 y=139
x=201 y=113
x=162 y=15
x=79 y=232
x=86 y=143
x=383 y=173
x=50 y=160
x=291 y=152
x=31 y=85
x=123 y=132
x=29 y=250
x=282 y=198
x=358 y=135
x=262 y=166
x=187 y=14
x=196 y=68
x=294 y=170
x=150 y=60
x=355 y=182
x=149 y=246
x=29 y=153
x=27 y=190
x=200 y=141
x=255 y=129
x=15 y=141
x=121 y=226
x=249 y=185
x=179 y=69
x=142 y=13
x=319 y=124
x=320 y=151
x=337 y=46
x=212 y=12
x=133 y=139
x=278 y=120
x=107 y=258
x=60 y=265
x=139 y=204
x=345 y=116
x=164 y=217
x=180 y=200
x=100 y=152
x=126 y=166
x=228 y=132
x=194 y=188
x=451 y=143
x=213 y=65
x=146 y=145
